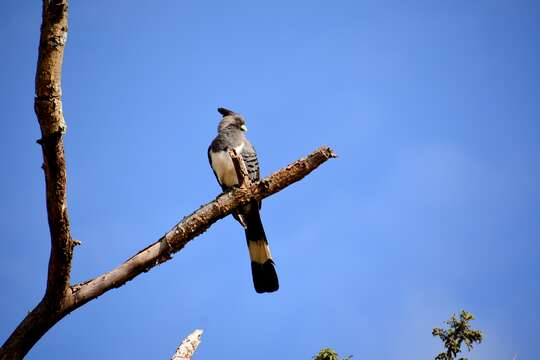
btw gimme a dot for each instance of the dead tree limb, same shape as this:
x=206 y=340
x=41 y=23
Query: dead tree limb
x=195 y=224
x=60 y=297
x=187 y=348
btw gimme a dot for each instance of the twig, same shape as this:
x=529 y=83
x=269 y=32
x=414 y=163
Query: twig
x=240 y=168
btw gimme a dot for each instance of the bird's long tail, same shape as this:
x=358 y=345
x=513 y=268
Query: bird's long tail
x=262 y=266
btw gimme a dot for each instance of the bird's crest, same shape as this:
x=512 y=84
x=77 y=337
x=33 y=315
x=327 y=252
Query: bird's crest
x=225 y=112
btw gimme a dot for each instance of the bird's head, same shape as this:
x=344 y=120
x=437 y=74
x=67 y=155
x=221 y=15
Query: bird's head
x=231 y=119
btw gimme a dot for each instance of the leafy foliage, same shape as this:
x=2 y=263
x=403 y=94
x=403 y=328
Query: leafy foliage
x=459 y=332
x=329 y=354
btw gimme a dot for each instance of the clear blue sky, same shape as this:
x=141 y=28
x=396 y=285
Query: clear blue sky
x=433 y=205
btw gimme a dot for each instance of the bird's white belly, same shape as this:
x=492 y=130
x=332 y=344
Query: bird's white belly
x=224 y=167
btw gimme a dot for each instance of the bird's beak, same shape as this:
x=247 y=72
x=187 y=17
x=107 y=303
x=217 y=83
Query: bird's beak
x=244 y=128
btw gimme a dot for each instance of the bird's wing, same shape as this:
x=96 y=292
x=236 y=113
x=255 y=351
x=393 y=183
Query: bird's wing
x=249 y=155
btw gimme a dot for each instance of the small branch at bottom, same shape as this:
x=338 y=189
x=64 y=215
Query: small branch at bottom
x=188 y=346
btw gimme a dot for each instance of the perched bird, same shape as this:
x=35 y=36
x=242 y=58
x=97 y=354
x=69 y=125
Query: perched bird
x=231 y=135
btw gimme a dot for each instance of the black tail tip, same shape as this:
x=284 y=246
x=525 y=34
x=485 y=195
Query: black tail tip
x=225 y=112
x=264 y=277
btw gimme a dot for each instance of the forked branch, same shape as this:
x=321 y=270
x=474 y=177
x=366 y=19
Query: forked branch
x=60 y=297
x=173 y=241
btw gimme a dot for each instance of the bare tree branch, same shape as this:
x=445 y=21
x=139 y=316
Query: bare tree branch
x=187 y=348
x=60 y=298
x=197 y=223
x=48 y=108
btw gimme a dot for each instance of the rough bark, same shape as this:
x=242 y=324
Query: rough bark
x=187 y=348
x=60 y=298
